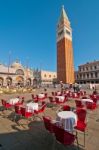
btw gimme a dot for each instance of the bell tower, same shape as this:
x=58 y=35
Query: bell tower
x=65 y=63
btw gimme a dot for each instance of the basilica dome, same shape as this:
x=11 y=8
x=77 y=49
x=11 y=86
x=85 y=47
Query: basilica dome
x=16 y=64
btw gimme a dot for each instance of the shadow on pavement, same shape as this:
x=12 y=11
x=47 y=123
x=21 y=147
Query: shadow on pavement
x=33 y=137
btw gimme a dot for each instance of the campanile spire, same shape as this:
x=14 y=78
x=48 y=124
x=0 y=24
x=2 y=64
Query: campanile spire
x=65 y=64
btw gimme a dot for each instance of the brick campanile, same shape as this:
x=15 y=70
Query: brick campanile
x=65 y=63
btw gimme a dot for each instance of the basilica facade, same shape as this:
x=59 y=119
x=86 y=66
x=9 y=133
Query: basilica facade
x=18 y=75
x=15 y=74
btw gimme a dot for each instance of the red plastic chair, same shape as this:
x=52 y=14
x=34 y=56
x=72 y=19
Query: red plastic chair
x=59 y=102
x=47 y=123
x=90 y=105
x=32 y=96
x=40 y=110
x=35 y=98
x=63 y=136
x=45 y=95
x=17 y=112
x=26 y=114
x=6 y=105
x=53 y=94
x=40 y=99
x=95 y=100
x=66 y=108
x=20 y=102
x=81 y=125
x=52 y=100
x=79 y=104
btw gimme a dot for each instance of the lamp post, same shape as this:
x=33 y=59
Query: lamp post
x=9 y=59
x=27 y=63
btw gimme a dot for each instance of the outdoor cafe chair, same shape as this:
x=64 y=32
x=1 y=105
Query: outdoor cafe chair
x=81 y=121
x=39 y=111
x=20 y=102
x=6 y=105
x=47 y=123
x=66 y=108
x=17 y=112
x=79 y=104
x=64 y=137
x=26 y=114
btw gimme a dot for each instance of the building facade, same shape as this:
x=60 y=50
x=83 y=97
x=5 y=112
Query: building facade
x=15 y=75
x=65 y=63
x=88 y=73
x=44 y=77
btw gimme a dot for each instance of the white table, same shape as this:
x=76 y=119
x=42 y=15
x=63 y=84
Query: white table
x=13 y=101
x=61 y=98
x=58 y=93
x=41 y=95
x=86 y=100
x=68 y=120
x=75 y=95
x=30 y=107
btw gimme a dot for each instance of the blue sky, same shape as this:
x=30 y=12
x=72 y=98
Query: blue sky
x=28 y=30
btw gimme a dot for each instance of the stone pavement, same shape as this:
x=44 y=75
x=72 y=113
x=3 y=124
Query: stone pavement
x=33 y=136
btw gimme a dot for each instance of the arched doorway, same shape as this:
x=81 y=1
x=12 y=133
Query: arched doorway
x=28 y=82
x=9 y=81
x=1 y=81
x=20 y=81
x=34 y=83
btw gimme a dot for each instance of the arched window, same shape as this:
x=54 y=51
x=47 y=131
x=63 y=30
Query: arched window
x=95 y=67
x=87 y=75
x=19 y=72
x=54 y=76
x=96 y=75
x=49 y=76
x=91 y=75
x=44 y=75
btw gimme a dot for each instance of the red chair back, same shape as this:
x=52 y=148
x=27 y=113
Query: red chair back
x=23 y=111
x=57 y=99
x=91 y=105
x=43 y=103
x=78 y=103
x=59 y=133
x=48 y=124
x=68 y=138
x=66 y=108
x=32 y=96
x=17 y=109
x=43 y=108
x=53 y=93
x=45 y=95
x=25 y=114
x=22 y=101
x=3 y=102
x=94 y=99
x=23 y=98
x=63 y=136
x=51 y=99
x=81 y=114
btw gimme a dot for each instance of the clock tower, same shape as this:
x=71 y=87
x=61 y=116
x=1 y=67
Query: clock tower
x=65 y=63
